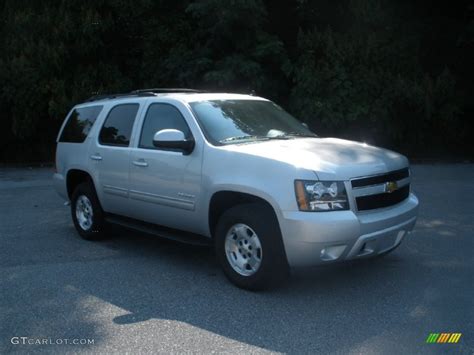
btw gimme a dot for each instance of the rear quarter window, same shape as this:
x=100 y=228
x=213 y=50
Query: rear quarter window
x=79 y=124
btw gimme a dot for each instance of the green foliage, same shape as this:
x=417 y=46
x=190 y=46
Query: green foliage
x=231 y=52
x=370 y=85
x=384 y=71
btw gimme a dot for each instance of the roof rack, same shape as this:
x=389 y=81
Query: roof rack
x=114 y=96
x=142 y=92
x=168 y=90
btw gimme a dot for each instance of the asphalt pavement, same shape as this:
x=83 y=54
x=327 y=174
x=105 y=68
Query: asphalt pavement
x=140 y=294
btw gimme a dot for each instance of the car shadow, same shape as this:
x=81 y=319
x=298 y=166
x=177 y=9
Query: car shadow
x=315 y=309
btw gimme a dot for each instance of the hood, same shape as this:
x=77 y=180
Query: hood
x=329 y=158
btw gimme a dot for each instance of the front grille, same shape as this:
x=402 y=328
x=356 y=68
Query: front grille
x=369 y=196
x=371 y=202
x=380 y=179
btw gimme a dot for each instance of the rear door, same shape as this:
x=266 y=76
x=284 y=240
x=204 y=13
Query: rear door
x=109 y=157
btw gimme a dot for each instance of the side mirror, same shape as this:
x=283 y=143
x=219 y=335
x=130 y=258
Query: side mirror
x=173 y=139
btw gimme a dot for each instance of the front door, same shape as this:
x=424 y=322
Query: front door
x=164 y=183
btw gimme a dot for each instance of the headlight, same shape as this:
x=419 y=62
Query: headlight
x=319 y=196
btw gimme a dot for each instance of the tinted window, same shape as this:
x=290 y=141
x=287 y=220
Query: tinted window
x=117 y=128
x=158 y=117
x=79 y=124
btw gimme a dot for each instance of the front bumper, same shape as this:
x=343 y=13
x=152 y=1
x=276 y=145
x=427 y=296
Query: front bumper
x=313 y=238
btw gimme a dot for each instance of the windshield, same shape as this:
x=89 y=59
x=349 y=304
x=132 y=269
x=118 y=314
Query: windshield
x=235 y=121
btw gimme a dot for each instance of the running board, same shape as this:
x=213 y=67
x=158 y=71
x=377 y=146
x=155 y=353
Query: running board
x=161 y=231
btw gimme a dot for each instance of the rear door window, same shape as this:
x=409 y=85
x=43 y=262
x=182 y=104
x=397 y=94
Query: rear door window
x=117 y=128
x=79 y=124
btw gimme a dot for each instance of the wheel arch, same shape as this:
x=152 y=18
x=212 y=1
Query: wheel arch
x=74 y=177
x=223 y=200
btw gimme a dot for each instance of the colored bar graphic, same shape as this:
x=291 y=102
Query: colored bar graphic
x=455 y=337
x=442 y=338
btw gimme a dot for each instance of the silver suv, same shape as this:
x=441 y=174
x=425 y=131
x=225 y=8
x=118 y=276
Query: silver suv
x=233 y=170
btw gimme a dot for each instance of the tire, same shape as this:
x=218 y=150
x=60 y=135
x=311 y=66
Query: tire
x=85 y=204
x=250 y=233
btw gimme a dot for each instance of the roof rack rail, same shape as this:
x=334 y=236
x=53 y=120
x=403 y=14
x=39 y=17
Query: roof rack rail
x=115 y=96
x=142 y=92
x=167 y=90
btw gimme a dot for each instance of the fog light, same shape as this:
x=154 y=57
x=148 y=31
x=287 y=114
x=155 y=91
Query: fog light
x=332 y=253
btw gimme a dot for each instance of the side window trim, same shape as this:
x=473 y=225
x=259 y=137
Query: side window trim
x=66 y=120
x=139 y=136
x=130 y=142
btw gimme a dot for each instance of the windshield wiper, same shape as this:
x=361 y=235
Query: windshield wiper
x=281 y=136
x=287 y=136
x=241 y=138
x=278 y=137
x=303 y=135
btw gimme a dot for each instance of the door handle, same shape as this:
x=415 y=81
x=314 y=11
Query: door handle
x=96 y=156
x=140 y=162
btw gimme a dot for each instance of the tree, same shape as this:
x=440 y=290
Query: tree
x=365 y=81
x=394 y=73
x=219 y=45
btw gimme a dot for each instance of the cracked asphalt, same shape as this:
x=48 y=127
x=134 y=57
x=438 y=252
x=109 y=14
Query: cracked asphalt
x=140 y=294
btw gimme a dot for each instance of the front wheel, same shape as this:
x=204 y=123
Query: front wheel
x=249 y=247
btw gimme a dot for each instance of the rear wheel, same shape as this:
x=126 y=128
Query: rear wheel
x=250 y=248
x=87 y=213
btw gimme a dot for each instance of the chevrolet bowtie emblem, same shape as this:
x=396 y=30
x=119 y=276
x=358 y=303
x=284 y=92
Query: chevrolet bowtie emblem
x=391 y=186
